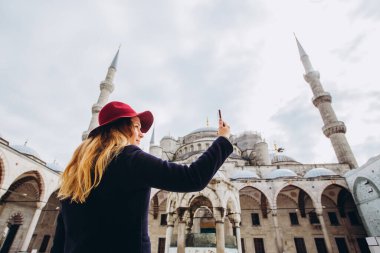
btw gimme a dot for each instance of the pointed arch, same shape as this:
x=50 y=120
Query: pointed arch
x=262 y=188
x=157 y=200
x=207 y=192
x=299 y=185
x=34 y=177
x=296 y=195
x=261 y=201
x=338 y=183
x=232 y=203
x=200 y=202
x=2 y=169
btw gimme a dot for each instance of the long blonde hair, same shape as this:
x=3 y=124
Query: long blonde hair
x=89 y=161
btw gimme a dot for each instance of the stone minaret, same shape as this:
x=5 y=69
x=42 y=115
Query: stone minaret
x=106 y=88
x=152 y=138
x=333 y=129
x=154 y=149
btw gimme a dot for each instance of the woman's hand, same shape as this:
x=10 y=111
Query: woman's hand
x=224 y=129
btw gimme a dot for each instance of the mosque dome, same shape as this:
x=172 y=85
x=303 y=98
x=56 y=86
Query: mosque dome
x=277 y=158
x=55 y=166
x=205 y=129
x=319 y=172
x=247 y=140
x=243 y=174
x=281 y=173
x=201 y=133
x=168 y=137
x=26 y=150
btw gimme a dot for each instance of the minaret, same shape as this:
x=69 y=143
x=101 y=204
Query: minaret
x=333 y=129
x=152 y=138
x=106 y=88
x=154 y=149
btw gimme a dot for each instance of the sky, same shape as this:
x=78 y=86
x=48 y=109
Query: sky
x=184 y=60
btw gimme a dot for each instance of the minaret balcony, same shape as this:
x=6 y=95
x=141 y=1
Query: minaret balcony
x=323 y=97
x=334 y=128
x=96 y=108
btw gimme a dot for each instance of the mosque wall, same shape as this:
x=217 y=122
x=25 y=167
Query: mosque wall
x=364 y=182
x=26 y=186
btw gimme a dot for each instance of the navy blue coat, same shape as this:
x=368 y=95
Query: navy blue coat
x=114 y=217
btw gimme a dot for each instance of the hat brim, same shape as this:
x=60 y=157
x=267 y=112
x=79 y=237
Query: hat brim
x=146 y=121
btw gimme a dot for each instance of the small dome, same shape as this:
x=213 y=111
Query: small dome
x=281 y=173
x=319 y=172
x=243 y=174
x=205 y=129
x=276 y=158
x=168 y=137
x=26 y=150
x=55 y=166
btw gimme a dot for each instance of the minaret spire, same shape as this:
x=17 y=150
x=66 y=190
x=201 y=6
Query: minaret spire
x=115 y=59
x=152 y=138
x=333 y=129
x=304 y=57
x=106 y=88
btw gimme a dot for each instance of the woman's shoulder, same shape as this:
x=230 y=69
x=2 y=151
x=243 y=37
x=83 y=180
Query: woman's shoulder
x=130 y=150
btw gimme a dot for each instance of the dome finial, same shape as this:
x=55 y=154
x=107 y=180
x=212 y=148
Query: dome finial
x=207 y=123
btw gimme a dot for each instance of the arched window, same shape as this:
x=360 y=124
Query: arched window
x=199 y=146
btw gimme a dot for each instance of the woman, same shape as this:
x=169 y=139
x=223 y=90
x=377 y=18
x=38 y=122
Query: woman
x=105 y=188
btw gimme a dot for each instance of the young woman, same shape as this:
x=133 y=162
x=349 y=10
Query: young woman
x=105 y=188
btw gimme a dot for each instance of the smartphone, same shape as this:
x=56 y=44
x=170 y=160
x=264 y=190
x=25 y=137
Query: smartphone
x=220 y=115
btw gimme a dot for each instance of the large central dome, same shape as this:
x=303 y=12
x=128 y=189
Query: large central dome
x=201 y=133
x=205 y=129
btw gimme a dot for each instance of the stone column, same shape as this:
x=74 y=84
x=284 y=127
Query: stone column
x=319 y=211
x=235 y=219
x=32 y=227
x=219 y=222
x=181 y=230
x=228 y=227
x=189 y=225
x=196 y=225
x=169 y=231
x=238 y=237
x=280 y=246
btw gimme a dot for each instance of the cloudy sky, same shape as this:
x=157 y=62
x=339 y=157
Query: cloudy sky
x=183 y=60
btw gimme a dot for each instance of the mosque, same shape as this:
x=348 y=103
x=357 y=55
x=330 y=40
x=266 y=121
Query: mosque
x=259 y=201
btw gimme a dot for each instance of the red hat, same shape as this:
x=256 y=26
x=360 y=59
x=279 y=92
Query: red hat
x=116 y=110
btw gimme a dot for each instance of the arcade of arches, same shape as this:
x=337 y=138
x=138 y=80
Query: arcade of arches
x=295 y=219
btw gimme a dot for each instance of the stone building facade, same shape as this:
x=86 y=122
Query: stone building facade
x=257 y=202
x=28 y=203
